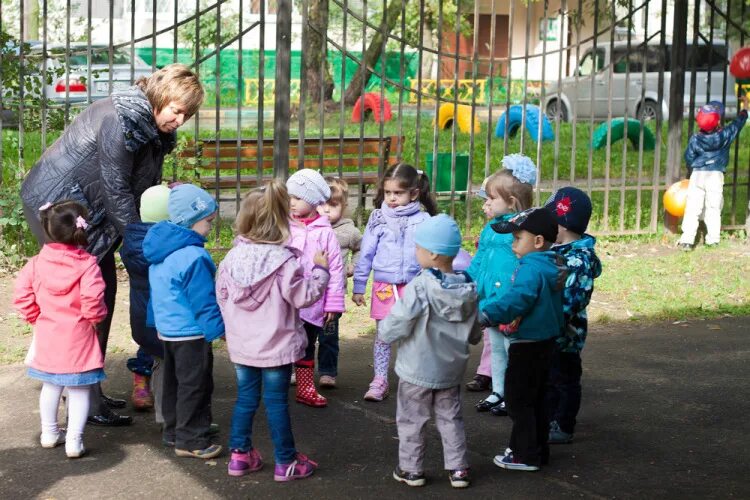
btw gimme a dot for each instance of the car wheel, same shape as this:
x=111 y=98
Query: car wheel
x=649 y=110
x=556 y=109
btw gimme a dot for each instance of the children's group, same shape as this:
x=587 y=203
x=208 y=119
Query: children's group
x=279 y=295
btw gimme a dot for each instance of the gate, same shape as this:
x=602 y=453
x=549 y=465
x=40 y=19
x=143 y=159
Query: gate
x=600 y=95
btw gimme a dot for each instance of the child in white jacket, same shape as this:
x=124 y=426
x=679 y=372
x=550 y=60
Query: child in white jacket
x=435 y=321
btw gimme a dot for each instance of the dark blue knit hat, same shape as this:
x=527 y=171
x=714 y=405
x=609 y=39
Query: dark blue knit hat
x=572 y=207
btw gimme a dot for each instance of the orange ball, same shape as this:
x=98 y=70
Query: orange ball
x=675 y=198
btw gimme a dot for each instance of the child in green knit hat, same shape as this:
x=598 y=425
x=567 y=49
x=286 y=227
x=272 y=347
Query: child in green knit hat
x=153 y=209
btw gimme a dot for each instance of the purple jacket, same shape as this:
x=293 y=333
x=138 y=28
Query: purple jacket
x=308 y=239
x=388 y=247
x=260 y=289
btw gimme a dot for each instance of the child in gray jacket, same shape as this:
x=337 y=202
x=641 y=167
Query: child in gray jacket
x=435 y=320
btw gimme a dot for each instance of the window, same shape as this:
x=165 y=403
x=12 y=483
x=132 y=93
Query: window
x=586 y=67
x=634 y=62
x=705 y=57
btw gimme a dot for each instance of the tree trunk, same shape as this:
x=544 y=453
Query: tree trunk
x=317 y=74
x=371 y=55
x=31 y=20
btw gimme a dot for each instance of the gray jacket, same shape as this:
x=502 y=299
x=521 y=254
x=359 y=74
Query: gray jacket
x=435 y=320
x=349 y=239
x=105 y=160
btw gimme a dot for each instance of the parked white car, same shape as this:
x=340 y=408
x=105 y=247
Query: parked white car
x=123 y=72
x=573 y=97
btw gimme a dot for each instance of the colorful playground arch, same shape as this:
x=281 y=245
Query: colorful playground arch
x=462 y=115
x=599 y=138
x=374 y=105
x=515 y=118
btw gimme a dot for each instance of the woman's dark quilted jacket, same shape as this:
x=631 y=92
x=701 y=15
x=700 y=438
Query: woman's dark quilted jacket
x=105 y=159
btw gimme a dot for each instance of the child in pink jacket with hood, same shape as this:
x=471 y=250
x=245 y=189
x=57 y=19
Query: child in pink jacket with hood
x=311 y=233
x=260 y=288
x=61 y=293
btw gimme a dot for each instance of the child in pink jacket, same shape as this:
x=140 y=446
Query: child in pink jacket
x=61 y=293
x=312 y=233
x=260 y=283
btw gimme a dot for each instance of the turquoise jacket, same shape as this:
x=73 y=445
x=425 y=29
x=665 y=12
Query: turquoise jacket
x=494 y=263
x=535 y=296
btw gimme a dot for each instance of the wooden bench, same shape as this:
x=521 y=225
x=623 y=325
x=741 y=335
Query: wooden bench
x=238 y=167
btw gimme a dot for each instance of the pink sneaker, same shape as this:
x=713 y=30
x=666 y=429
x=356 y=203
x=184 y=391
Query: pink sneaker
x=242 y=463
x=300 y=468
x=378 y=390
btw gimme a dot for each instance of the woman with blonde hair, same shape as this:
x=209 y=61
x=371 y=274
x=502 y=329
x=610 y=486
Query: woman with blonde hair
x=105 y=159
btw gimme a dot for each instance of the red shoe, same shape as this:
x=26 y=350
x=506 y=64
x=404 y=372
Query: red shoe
x=306 y=392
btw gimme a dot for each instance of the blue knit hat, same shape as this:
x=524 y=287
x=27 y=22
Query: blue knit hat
x=440 y=235
x=572 y=207
x=188 y=204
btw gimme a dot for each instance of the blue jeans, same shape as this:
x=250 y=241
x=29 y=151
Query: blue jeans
x=141 y=364
x=327 y=338
x=275 y=385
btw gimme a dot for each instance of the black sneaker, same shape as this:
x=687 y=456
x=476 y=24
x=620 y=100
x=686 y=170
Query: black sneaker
x=410 y=478
x=685 y=247
x=459 y=478
x=499 y=410
x=485 y=405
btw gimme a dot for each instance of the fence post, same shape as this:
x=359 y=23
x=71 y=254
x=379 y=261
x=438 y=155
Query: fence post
x=676 y=90
x=281 y=114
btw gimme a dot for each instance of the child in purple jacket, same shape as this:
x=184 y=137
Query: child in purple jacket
x=389 y=251
x=311 y=233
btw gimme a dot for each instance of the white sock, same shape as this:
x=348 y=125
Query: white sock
x=492 y=398
x=49 y=401
x=78 y=410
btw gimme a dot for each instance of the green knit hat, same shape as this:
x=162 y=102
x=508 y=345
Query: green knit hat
x=154 y=202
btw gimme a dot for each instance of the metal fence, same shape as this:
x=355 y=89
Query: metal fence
x=601 y=95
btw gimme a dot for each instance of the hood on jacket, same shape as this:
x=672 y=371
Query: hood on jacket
x=67 y=261
x=250 y=268
x=165 y=238
x=552 y=266
x=452 y=304
x=583 y=247
x=136 y=116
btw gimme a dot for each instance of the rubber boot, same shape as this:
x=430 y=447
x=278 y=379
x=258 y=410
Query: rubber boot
x=142 y=397
x=306 y=392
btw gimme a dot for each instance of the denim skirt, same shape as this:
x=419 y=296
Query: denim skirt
x=68 y=379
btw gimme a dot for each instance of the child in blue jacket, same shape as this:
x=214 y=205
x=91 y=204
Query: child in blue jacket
x=187 y=317
x=572 y=207
x=707 y=156
x=533 y=304
x=153 y=209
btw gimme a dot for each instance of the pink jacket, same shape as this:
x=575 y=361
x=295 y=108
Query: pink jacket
x=260 y=289
x=308 y=239
x=61 y=293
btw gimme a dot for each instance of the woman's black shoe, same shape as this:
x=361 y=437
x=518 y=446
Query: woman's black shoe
x=485 y=405
x=480 y=383
x=110 y=419
x=499 y=410
x=112 y=402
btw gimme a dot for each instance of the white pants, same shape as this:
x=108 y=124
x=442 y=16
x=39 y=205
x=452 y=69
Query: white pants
x=704 y=201
x=78 y=409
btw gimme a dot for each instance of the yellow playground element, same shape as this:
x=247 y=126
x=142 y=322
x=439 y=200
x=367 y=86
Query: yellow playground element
x=462 y=115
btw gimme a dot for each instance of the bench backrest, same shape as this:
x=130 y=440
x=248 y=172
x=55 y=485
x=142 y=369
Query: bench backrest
x=327 y=154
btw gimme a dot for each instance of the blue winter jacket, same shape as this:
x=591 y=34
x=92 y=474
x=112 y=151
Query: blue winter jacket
x=181 y=277
x=136 y=264
x=388 y=247
x=494 y=263
x=710 y=151
x=535 y=296
x=583 y=268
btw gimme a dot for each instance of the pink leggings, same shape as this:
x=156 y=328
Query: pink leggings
x=484 y=367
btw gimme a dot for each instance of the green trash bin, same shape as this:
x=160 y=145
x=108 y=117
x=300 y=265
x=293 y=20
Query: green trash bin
x=444 y=171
